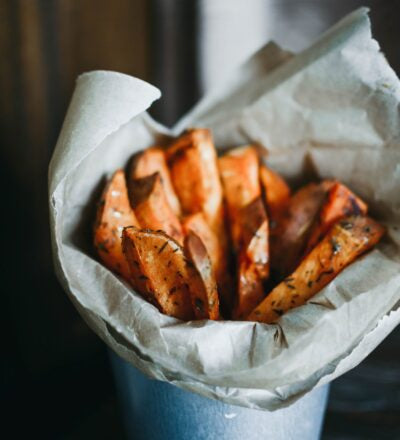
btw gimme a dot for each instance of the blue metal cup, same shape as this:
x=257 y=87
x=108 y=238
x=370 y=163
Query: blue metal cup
x=154 y=410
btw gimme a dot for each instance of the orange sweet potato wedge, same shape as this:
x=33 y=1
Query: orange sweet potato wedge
x=192 y=160
x=150 y=161
x=289 y=237
x=340 y=202
x=239 y=169
x=203 y=288
x=253 y=258
x=152 y=210
x=346 y=240
x=276 y=192
x=197 y=224
x=113 y=214
x=160 y=266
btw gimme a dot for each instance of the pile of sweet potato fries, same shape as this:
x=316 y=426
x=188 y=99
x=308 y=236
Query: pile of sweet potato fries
x=208 y=237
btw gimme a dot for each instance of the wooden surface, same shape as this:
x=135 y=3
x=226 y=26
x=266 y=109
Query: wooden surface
x=56 y=375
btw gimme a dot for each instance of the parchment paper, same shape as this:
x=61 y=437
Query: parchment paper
x=332 y=111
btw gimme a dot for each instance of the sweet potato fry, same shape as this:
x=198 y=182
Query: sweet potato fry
x=289 y=237
x=160 y=265
x=253 y=259
x=203 y=288
x=113 y=214
x=149 y=201
x=340 y=203
x=346 y=240
x=151 y=161
x=194 y=172
x=239 y=170
x=197 y=224
x=276 y=192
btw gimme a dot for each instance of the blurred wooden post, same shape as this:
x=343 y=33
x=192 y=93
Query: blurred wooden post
x=174 y=57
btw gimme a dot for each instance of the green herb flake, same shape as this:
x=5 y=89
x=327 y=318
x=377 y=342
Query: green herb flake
x=163 y=247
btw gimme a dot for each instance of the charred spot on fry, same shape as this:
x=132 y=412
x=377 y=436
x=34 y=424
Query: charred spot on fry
x=345 y=224
x=102 y=246
x=324 y=273
x=335 y=246
x=199 y=304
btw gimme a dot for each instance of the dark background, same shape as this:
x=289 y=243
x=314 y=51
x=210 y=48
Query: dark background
x=56 y=380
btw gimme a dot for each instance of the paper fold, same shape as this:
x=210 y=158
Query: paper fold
x=101 y=103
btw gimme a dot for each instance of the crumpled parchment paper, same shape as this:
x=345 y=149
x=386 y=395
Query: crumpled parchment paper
x=330 y=111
